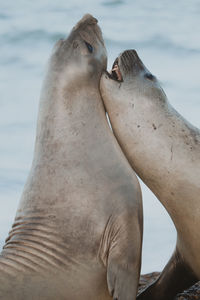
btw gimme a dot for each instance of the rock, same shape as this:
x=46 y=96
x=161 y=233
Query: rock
x=147 y=279
x=193 y=293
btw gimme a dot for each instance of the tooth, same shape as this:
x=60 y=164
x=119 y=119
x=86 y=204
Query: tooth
x=117 y=70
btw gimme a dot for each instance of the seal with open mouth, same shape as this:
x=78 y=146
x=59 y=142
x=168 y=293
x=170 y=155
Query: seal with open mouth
x=78 y=229
x=164 y=150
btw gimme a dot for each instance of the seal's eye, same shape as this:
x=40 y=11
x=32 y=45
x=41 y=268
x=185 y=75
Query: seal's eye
x=90 y=48
x=149 y=76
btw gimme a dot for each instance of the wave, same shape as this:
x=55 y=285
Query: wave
x=31 y=36
x=156 y=42
x=16 y=126
x=12 y=178
x=112 y=2
x=4 y=16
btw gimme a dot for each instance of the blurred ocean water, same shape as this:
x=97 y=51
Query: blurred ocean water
x=166 y=36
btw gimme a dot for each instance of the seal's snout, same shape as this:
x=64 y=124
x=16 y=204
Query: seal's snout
x=127 y=62
x=130 y=54
x=89 y=19
x=130 y=61
x=86 y=37
x=86 y=20
x=130 y=57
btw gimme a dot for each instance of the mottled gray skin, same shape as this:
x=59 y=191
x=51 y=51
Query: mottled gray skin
x=164 y=150
x=78 y=229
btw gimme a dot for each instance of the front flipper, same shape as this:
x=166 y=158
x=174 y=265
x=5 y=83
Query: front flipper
x=175 y=278
x=121 y=254
x=122 y=282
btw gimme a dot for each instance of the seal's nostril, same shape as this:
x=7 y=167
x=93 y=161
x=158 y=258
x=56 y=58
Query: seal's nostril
x=86 y=20
x=89 y=19
x=149 y=76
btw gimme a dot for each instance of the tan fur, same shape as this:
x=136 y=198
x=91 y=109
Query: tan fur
x=78 y=229
x=161 y=146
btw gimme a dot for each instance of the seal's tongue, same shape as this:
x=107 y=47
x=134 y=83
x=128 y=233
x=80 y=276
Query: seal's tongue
x=115 y=72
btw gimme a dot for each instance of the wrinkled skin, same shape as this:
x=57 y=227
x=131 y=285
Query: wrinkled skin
x=164 y=150
x=78 y=229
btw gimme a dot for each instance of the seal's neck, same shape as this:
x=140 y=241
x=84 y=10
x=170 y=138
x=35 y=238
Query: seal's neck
x=65 y=114
x=167 y=155
x=163 y=149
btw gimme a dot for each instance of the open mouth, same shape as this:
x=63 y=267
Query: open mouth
x=115 y=73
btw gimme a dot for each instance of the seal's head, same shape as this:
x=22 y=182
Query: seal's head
x=129 y=83
x=80 y=57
